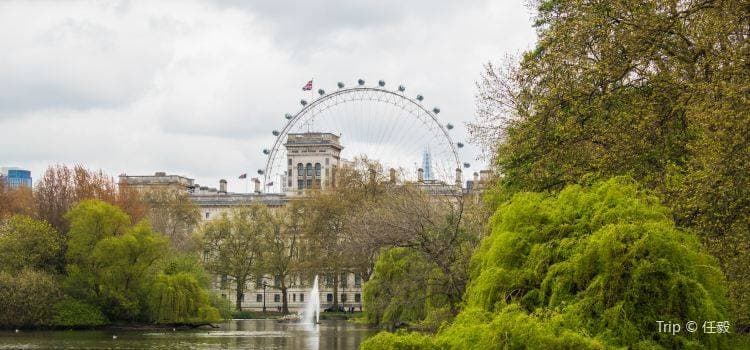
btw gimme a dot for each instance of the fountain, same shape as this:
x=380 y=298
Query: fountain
x=311 y=311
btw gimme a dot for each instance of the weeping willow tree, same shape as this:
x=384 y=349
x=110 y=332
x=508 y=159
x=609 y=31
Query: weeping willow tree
x=591 y=267
x=403 y=290
x=179 y=298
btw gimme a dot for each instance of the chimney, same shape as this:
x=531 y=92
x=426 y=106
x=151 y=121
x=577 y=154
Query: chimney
x=223 y=186
x=257 y=185
x=392 y=175
x=420 y=175
x=458 y=177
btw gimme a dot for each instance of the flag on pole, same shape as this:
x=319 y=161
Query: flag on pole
x=307 y=86
x=243 y=176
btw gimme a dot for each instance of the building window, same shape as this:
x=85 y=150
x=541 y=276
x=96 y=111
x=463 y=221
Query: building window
x=300 y=170
x=294 y=298
x=301 y=298
x=317 y=169
x=276 y=298
x=242 y=298
x=207 y=215
x=277 y=281
x=259 y=298
x=309 y=169
x=328 y=160
x=259 y=282
x=317 y=183
x=309 y=183
x=224 y=281
x=300 y=184
x=329 y=298
x=357 y=298
x=290 y=161
x=343 y=280
x=343 y=297
x=357 y=280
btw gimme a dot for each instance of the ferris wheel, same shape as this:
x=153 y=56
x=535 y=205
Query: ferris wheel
x=384 y=125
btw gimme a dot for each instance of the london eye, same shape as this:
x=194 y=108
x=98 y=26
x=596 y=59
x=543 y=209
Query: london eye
x=390 y=126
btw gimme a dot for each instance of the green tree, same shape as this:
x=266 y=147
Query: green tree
x=655 y=90
x=25 y=298
x=591 y=267
x=90 y=221
x=281 y=248
x=233 y=246
x=28 y=243
x=174 y=214
x=401 y=290
x=179 y=298
x=123 y=270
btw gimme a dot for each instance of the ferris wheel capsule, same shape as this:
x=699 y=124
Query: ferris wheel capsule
x=420 y=97
x=449 y=126
x=288 y=116
x=401 y=88
x=436 y=110
x=266 y=151
x=260 y=171
x=459 y=145
x=275 y=133
x=381 y=83
x=467 y=165
x=361 y=82
x=321 y=92
x=341 y=85
x=303 y=102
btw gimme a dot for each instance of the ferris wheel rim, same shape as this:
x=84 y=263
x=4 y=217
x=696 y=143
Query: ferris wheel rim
x=307 y=107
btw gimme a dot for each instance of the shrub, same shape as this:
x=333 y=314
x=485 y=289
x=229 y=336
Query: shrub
x=25 y=298
x=74 y=313
x=399 y=341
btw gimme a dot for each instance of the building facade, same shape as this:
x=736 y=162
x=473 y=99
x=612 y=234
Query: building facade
x=15 y=177
x=312 y=162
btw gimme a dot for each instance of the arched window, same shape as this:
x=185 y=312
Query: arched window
x=309 y=169
x=317 y=169
x=300 y=169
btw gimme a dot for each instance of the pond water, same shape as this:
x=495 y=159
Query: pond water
x=236 y=334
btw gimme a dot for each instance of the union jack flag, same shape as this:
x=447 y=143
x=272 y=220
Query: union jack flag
x=307 y=86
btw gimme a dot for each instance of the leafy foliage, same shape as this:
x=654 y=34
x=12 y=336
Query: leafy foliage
x=25 y=297
x=587 y=268
x=399 y=290
x=74 y=313
x=233 y=245
x=28 y=243
x=179 y=298
x=655 y=90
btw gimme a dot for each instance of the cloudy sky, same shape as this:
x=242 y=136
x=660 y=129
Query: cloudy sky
x=195 y=88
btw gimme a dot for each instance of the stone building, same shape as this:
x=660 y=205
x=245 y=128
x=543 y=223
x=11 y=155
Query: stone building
x=312 y=162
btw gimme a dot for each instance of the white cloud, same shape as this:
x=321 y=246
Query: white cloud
x=195 y=87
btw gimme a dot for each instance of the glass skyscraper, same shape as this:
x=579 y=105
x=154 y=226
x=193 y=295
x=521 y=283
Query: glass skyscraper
x=16 y=177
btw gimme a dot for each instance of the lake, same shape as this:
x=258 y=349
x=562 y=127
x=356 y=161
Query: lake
x=235 y=334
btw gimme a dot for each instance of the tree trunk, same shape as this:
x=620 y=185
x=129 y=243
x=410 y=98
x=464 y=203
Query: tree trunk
x=238 y=295
x=336 y=291
x=284 y=299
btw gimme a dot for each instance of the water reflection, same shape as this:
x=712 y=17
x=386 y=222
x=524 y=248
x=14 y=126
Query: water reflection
x=239 y=334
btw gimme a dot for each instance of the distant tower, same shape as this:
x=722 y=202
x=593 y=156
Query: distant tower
x=426 y=164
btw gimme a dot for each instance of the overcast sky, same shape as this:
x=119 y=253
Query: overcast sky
x=195 y=88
